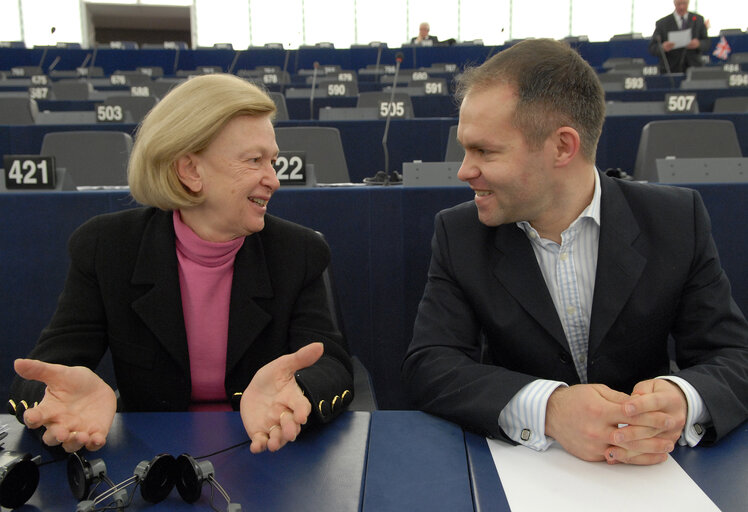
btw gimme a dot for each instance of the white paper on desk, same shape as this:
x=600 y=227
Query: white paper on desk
x=555 y=480
x=681 y=38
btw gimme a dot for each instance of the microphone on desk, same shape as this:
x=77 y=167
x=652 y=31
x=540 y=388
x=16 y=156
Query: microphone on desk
x=314 y=86
x=665 y=62
x=383 y=177
x=85 y=61
x=54 y=63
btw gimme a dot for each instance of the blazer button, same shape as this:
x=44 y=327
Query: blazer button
x=564 y=357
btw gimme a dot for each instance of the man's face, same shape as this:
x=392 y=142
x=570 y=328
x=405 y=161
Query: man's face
x=423 y=31
x=511 y=181
x=681 y=7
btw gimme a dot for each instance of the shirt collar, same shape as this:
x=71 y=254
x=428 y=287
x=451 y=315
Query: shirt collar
x=592 y=211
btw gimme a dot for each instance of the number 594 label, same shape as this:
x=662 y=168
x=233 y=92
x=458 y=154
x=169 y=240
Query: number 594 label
x=29 y=172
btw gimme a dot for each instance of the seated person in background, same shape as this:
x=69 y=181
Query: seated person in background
x=205 y=302
x=423 y=37
x=679 y=59
x=551 y=296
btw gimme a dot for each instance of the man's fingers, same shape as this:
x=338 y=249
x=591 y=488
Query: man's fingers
x=642 y=440
x=616 y=455
x=259 y=442
x=611 y=394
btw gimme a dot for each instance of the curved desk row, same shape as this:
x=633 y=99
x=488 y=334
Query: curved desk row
x=422 y=139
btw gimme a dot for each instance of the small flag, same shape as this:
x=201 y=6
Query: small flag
x=722 y=50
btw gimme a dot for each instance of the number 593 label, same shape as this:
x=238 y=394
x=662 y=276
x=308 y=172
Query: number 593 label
x=29 y=172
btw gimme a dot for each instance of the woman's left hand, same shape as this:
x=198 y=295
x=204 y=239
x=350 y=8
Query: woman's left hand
x=273 y=407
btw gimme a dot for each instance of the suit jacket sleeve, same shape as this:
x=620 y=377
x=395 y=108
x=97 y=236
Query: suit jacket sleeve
x=328 y=384
x=711 y=334
x=441 y=371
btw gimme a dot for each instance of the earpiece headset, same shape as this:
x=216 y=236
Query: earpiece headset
x=156 y=478
x=19 y=475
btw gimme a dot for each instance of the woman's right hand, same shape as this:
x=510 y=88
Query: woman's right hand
x=77 y=409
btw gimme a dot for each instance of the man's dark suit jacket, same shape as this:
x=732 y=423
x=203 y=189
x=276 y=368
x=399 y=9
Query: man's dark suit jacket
x=434 y=40
x=658 y=274
x=679 y=59
x=122 y=293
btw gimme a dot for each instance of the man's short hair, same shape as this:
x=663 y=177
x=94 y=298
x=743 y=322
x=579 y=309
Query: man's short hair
x=186 y=121
x=555 y=87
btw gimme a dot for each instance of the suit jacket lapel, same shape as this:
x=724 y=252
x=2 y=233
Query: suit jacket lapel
x=160 y=306
x=246 y=318
x=517 y=268
x=619 y=264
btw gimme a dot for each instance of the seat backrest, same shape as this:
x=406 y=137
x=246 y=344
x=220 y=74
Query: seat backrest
x=92 y=158
x=380 y=100
x=735 y=104
x=323 y=147
x=281 y=113
x=684 y=138
x=455 y=152
x=138 y=106
x=71 y=90
x=18 y=111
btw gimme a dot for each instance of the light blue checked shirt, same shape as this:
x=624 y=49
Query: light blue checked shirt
x=569 y=272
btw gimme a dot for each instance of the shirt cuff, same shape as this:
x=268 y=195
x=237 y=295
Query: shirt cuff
x=523 y=417
x=697 y=415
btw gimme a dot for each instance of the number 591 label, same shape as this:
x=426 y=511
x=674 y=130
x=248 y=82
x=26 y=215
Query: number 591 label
x=29 y=172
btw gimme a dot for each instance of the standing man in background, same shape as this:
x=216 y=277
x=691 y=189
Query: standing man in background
x=679 y=59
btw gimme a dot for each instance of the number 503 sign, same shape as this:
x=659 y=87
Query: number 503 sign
x=29 y=172
x=290 y=168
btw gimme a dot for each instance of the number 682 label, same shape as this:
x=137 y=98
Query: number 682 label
x=290 y=168
x=29 y=172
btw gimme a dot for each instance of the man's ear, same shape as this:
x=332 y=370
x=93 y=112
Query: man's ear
x=568 y=143
x=188 y=174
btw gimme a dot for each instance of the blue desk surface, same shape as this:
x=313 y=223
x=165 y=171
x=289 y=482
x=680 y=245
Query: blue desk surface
x=322 y=470
x=720 y=471
x=389 y=461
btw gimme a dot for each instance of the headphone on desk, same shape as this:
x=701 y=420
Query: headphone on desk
x=19 y=475
x=156 y=478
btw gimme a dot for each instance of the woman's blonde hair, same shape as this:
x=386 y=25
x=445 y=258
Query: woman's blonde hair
x=186 y=121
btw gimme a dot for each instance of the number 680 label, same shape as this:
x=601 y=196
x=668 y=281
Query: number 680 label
x=290 y=167
x=29 y=171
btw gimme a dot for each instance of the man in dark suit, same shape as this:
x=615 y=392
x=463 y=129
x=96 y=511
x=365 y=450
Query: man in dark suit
x=551 y=296
x=679 y=59
x=423 y=38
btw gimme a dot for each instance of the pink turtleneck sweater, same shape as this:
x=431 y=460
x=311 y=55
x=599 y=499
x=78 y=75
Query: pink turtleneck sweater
x=206 y=270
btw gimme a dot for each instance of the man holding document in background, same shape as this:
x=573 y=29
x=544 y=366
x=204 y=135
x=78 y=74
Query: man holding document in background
x=679 y=37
